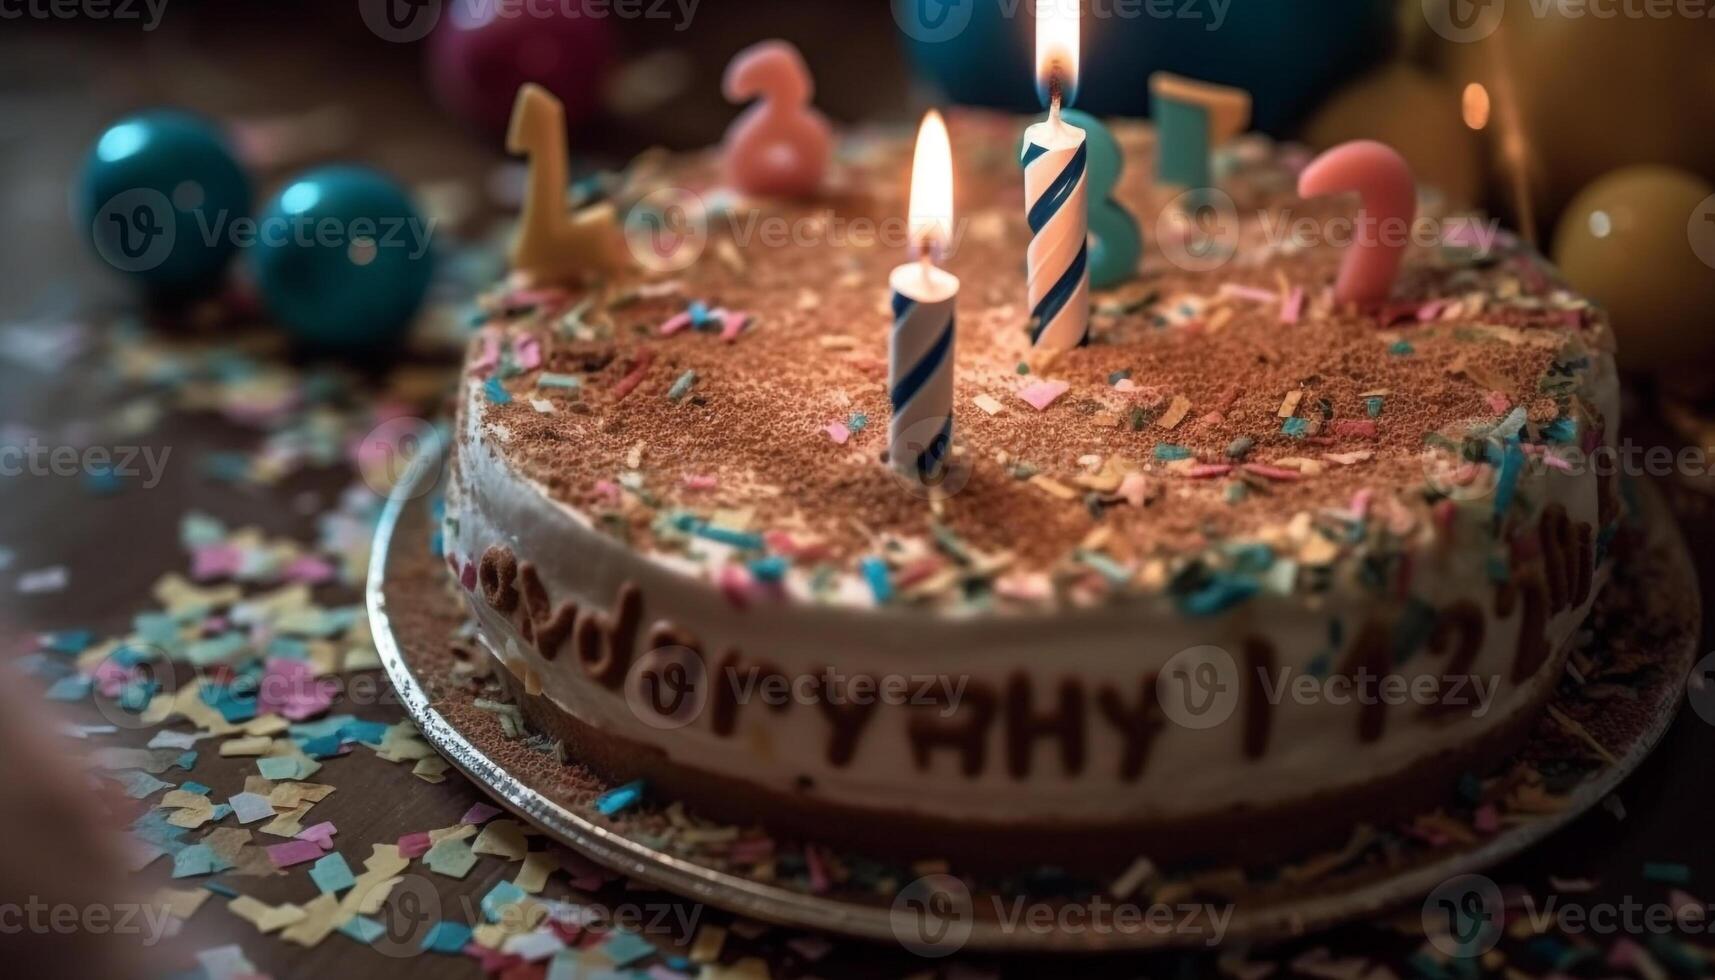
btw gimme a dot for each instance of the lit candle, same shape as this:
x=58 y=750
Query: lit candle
x=920 y=355
x=1056 y=192
x=1116 y=241
x=1388 y=205
x=1191 y=118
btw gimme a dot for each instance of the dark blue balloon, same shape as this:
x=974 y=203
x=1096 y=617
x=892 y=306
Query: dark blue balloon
x=342 y=259
x=1289 y=54
x=158 y=198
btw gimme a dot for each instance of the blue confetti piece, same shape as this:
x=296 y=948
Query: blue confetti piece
x=363 y=929
x=1400 y=348
x=502 y=895
x=192 y=786
x=858 y=422
x=621 y=799
x=68 y=641
x=367 y=732
x=278 y=768
x=1506 y=484
x=331 y=874
x=1373 y=406
x=73 y=687
x=321 y=748
x=187 y=760
x=1295 y=427
x=1167 y=452
x=770 y=569
x=447 y=937
x=1219 y=594
x=875 y=573
x=495 y=392
x=626 y=948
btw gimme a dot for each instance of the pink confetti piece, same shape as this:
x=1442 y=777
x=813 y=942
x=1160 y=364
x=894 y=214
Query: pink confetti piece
x=1487 y=819
x=1207 y=471
x=1360 y=428
x=694 y=482
x=1361 y=502
x=1043 y=393
x=1134 y=488
x=321 y=835
x=733 y=324
x=415 y=845
x=216 y=561
x=817 y=870
x=1251 y=293
x=294 y=852
x=752 y=850
x=1431 y=311
x=735 y=583
x=678 y=323
x=1293 y=308
x=528 y=352
x=310 y=570
x=486 y=361
x=467 y=577
x=1499 y=403
x=838 y=432
x=479 y=814
x=626 y=385
x=291 y=689
x=608 y=490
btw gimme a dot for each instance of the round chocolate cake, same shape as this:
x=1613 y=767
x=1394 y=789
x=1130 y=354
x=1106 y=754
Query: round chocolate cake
x=1248 y=569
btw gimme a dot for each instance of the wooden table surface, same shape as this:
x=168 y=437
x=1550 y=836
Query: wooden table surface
x=62 y=81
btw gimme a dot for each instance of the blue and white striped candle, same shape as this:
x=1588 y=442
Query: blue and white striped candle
x=920 y=351
x=920 y=369
x=1056 y=191
x=1056 y=196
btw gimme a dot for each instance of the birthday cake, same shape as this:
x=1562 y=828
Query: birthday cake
x=1248 y=569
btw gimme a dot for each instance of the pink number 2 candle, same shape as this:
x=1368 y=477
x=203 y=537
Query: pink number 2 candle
x=1388 y=196
x=781 y=146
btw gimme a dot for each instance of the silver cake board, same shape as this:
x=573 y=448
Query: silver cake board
x=1664 y=561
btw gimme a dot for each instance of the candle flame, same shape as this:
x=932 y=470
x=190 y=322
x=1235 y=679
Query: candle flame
x=931 y=216
x=1057 y=50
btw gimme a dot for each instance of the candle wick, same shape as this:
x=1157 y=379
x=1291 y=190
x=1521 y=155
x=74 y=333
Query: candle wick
x=926 y=264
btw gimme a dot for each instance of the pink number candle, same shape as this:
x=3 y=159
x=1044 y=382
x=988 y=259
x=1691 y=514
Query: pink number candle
x=1388 y=205
x=781 y=146
x=1056 y=192
x=920 y=353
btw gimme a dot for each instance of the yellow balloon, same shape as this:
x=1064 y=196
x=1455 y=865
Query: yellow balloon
x=1641 y=242
x=1584 y=87
x=1417 y=114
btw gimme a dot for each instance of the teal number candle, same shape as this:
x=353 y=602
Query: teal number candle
x=1190 y=119
x=1116 y=241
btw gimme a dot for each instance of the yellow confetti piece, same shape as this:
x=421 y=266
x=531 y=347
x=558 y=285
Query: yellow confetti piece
x=288 y=824
x=533 y=874
x=266 y=918
x=502 y=838
x=458 y=831
x=431 y=770
x=706 y=948
x=1289 y=405
x=988 y=404
x=321 y=918
x=749 y=968
x=1053 y=487
x=182 y=903
x=256 y=745
x=1175 y=413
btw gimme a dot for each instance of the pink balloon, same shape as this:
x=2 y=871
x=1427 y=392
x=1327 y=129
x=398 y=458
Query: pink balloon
x=1388 y=192
x=482 y=52
x=781 y=146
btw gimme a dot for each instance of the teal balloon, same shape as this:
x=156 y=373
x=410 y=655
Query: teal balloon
x=1116 y=241
x=342 y=259
x=1289 y=55
x=159 y=197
